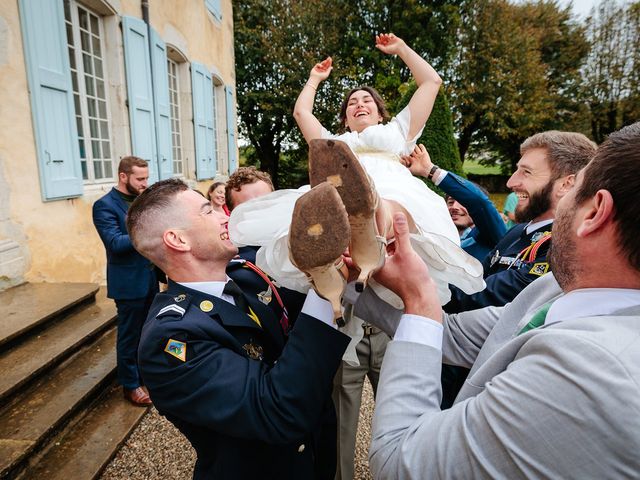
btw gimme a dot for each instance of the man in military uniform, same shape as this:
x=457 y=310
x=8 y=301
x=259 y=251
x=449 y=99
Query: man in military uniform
x=545 y=173
x=217 y=360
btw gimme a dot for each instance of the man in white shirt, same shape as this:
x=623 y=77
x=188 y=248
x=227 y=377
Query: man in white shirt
x=554 y=389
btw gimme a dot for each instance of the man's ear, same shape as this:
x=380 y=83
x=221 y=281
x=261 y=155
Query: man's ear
x=566 y=184
x=176 y=239
x=598 y=210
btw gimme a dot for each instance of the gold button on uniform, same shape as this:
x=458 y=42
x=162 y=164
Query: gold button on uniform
x=301 y=448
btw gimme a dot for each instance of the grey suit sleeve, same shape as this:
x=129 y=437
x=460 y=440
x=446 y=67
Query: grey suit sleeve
x=546 y=416
x=465 y=333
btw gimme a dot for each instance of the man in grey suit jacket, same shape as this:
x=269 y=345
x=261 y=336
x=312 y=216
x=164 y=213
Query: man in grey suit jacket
x=547 y=397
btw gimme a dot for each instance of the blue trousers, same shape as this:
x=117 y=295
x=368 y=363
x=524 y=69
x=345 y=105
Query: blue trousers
x=131 y=317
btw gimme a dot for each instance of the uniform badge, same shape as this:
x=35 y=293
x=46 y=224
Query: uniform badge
x=206 y=306
x=180 y=298
x=177 y=349
x=266 y=296
x=254 y=351
x=495 y=258
x=537 y=236
x=539 y=268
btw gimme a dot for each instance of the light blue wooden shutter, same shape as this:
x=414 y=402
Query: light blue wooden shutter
x=214 y=7
x=231 y=129
x=51 y=96
x=140 y=93
x=202 y=88
x=161 y=105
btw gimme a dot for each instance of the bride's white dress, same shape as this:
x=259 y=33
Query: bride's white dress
x=265 y=220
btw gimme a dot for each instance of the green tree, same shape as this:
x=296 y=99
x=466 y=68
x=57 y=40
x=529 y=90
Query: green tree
x=611 y=72
x=278 y=41
x=516 y=73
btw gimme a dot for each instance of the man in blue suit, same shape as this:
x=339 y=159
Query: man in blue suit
x=131 y=280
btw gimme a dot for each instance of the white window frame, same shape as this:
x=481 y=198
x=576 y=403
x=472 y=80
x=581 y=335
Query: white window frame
x=88 y=160
x=220 y=120
x=173 y=71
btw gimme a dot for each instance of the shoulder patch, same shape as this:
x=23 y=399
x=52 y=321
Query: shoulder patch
x=539 y=268
x=171 y=309
x=177 y=349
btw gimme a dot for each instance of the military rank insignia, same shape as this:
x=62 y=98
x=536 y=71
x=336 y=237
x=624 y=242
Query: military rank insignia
x=539 y=268
x=254 y=351
x=177 y=349
x=266 y=296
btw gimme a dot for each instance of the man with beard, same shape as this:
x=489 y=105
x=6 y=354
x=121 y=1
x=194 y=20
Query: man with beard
x=131 y=279
x=554 y=388
x=545 y=173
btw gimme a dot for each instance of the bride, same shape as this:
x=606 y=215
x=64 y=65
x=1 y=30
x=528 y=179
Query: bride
x=378 y=146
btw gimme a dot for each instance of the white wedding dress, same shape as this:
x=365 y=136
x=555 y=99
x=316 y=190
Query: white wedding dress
x=265 y=220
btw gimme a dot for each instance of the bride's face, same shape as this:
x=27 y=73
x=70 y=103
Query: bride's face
x=362 y=111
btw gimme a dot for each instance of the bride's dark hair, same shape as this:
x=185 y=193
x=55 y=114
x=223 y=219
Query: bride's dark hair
x=382 y=108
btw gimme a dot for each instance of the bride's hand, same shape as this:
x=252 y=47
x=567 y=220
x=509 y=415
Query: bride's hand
x=390 y=44
x=321 y=70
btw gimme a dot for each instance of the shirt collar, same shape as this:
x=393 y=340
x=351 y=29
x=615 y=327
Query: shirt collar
x=532 y=227
x=210 y=288
x=589 y=302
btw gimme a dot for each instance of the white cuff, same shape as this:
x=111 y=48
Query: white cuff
x=417 y=329
x=319 y=308
x=439 y=177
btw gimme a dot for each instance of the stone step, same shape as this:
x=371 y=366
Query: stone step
x=38 y=353
x=85 y=449
x=48 y=404
x=29 y=305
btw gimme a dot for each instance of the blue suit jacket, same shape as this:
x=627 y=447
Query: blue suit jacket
x=129 y=274
x=251 y=405
x=489 y=227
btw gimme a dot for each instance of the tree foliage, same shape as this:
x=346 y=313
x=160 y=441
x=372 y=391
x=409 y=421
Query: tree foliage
x=517 y=72
x=278 y=41
x=611 y=77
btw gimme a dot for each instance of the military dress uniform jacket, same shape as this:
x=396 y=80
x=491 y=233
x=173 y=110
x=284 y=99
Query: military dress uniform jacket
x=508 y=269
x=251 y=405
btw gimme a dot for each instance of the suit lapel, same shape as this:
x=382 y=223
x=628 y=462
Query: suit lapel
x=268 y=319
x=120 y=203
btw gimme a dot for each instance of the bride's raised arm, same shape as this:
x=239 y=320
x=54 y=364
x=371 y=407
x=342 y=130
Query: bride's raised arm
x=427 y=79
x=303 y=110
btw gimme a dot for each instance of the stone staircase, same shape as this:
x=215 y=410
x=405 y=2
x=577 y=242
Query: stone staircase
x=61 y=414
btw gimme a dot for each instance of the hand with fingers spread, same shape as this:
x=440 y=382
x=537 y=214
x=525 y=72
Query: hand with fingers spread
x=406 y=274
x=418 y=161
x=390 y=44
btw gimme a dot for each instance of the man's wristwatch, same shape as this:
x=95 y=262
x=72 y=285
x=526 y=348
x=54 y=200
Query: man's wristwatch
x=433 y=170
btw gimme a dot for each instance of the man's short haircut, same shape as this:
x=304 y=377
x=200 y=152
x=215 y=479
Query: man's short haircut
x=244 y=176
x=127 y=163
x=615 y=169
x=567 y=152
x=151 y=213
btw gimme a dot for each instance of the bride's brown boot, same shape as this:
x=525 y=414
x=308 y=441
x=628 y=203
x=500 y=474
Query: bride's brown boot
x=318 y=236
x=333 y=161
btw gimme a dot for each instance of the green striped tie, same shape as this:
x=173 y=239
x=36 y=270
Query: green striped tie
x=538 y=318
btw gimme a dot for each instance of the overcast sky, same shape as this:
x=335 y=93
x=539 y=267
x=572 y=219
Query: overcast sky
x=581 y=7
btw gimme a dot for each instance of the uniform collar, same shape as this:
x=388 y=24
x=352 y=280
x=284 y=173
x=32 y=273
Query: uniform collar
x=532 y=227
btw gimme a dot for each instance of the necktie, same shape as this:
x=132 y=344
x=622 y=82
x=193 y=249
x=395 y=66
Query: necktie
x=233 y=290
x=538 y=318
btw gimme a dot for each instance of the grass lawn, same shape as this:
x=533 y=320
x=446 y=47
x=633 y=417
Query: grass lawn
x=474 y=167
